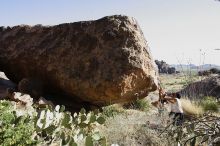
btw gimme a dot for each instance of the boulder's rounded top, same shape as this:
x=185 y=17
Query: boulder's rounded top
x=111 y=18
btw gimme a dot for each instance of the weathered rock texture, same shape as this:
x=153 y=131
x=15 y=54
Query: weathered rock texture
x=100 y=62
x=206 y=87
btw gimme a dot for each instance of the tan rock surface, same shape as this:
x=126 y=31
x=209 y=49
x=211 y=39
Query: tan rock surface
x=100 y=62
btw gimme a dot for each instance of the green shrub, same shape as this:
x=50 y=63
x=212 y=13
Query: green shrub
x=15 y=130
x=141 y=104
x=111 y=111
x=48 y=126
x=209 y=104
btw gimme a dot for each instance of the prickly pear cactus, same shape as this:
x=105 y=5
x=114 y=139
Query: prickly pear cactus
x=61 y=127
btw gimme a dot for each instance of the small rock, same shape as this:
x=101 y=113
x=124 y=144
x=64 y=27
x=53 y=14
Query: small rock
x=24 y=98
x=42 y=102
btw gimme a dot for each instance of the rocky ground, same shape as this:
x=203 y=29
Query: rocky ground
x=142 y=128
x=126 y=125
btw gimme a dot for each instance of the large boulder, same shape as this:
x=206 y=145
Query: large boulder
x=99 y=62
x=207 y=87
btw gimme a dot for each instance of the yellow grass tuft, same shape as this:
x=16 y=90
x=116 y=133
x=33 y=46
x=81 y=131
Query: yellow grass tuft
x=191 y=108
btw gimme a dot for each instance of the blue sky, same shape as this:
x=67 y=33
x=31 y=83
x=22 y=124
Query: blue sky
x=177 y=31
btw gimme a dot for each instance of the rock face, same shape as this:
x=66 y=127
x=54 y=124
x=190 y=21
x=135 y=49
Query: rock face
x=99 y=62
x=206 y=87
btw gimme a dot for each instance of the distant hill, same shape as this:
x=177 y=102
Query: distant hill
x=180 y=67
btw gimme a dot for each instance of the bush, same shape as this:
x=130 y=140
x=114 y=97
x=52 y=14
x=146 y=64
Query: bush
x=214 y=70
x=202 y=130
x=209 y=104
x=111 y=111
x=48 y=126
x=141 y=104
x=15 y=130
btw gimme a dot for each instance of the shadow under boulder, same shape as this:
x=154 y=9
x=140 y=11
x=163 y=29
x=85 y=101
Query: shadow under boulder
x=5 y=83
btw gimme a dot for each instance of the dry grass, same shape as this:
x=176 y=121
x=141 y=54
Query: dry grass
x=176 y=82
x=191 y=107
x=138 y=128
x=134 y=128
x=196 y=107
